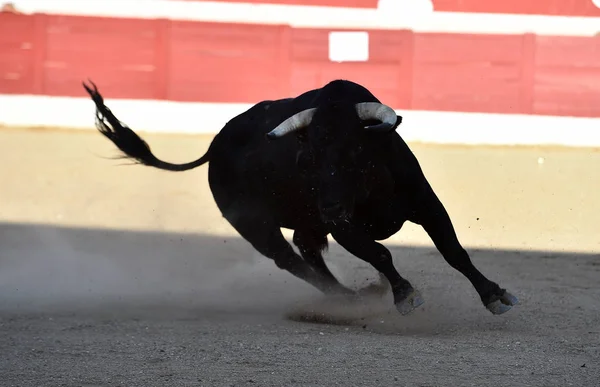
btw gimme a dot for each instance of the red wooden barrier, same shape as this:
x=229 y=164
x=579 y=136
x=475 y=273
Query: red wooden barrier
x=567 y=76
x=537 y=7
x=216 y=62
x=465 y=72
x=328 y=3
x=118 y=53
x=220 y=62
x=17 y=53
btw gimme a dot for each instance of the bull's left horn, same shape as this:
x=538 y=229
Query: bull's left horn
x=377 y=111
x=295 y=122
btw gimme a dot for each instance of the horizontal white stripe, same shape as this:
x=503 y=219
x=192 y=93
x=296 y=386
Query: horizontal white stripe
x=404 y=17
x=209 y=118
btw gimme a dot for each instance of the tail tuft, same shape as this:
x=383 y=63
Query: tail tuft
x=132 y=145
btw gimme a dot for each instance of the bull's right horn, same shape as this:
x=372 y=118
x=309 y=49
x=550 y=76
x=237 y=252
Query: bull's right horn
x=295 y=122
x=377 y=111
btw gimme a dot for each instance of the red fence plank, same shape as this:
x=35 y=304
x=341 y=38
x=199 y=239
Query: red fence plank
x=118 y=53
x=219 y=62
x=406 y=52
x=528 y=59
x=17 y=53
x=462 y=72
x=567 y=76
x=327 y=3
x=538 y=7
x=161 y=58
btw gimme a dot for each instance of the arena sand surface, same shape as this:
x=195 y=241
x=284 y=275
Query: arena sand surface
x=128 y=276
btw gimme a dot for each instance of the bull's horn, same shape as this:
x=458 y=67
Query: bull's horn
x=295 y=122
x=377 y=111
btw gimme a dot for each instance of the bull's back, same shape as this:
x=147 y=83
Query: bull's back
x=247 y=167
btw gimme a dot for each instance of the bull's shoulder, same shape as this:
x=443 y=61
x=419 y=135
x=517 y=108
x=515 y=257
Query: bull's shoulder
x=250 y=126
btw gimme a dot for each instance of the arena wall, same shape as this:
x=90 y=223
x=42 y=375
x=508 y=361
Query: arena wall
x=449 y=86
x=539 y=7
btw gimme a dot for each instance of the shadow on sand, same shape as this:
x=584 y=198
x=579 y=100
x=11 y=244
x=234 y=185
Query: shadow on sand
x=200 y=276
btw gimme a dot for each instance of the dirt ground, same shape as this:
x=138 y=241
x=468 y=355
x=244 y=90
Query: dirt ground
x=127 y=276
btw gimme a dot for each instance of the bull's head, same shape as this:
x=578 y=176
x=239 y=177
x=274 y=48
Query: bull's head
x=333 y=142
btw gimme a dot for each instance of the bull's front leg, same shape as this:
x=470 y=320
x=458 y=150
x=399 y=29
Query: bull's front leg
x=433 y=217
x=359 y=244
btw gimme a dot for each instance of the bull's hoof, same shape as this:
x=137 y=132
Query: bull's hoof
x=503 y=303
x=410 y=303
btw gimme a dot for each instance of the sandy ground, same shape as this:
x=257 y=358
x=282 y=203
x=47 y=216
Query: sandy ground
x=128 y=276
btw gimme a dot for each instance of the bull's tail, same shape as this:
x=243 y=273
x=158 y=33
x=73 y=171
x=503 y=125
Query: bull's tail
x=132 y=145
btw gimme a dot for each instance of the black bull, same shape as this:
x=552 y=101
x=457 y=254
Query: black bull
x=326 y=162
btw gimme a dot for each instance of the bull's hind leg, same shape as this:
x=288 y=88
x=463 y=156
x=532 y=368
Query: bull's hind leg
x=267 y=239
x=311 y=246
x=359 y=244
x=432 y=216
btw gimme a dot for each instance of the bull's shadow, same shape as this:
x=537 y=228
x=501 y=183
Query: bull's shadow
x=202 y=276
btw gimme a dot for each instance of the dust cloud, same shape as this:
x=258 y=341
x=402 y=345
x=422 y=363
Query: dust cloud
x=57 y=268
x=68 y=268
x=45 y=266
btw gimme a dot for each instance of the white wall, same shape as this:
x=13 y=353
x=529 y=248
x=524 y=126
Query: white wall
x=209 y=118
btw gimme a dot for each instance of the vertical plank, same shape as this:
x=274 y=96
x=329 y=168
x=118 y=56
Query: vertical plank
x=161 y=58
x=567 y=76
x=40 y=47
x=467 y=72
x=405 y=69
x=17 y=54
x=527 y=74
x=118 y=53
x=284 y=64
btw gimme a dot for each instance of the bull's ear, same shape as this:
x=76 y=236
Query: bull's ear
x=398 y=122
